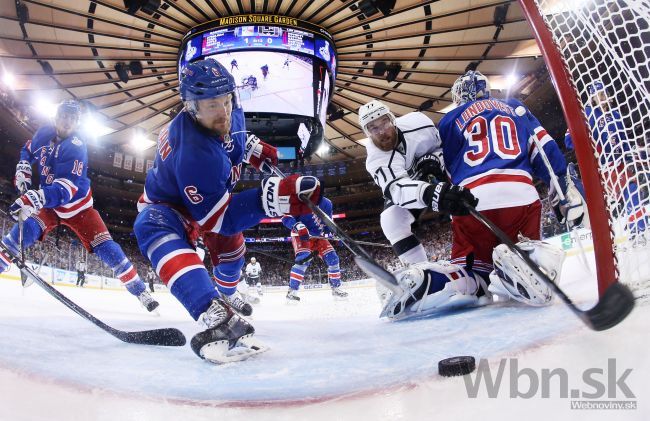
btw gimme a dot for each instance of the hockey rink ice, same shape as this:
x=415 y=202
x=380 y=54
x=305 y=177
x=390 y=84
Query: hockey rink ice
x=330 y=360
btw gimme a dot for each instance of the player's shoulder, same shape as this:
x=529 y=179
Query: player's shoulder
x=73 y=145
x=413 y=121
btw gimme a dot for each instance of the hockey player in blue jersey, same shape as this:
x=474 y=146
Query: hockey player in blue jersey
x=491 y=147
x=64 y=196
x=616 y=159
x=188 y=193
x=302 y=229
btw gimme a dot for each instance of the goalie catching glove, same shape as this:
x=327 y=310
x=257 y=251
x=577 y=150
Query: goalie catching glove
x=284 y=196
x=27 y=204
x=571 y=210
x=258 y=152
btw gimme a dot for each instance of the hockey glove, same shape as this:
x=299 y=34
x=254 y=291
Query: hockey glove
x=449 y=198
x=571 y=210
x=23 y=178
x=428 y=166
x=281 y=196
x=302 y=231
x=27 y=204
x=258 y=152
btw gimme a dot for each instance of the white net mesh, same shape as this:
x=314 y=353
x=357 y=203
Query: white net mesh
x=605 y=46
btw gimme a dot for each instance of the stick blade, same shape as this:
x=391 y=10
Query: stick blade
x=614 y=306
x=162 y=337
x=379 y=273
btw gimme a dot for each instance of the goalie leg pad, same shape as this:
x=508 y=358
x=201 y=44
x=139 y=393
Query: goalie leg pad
x=429 y=287
x=513 y=278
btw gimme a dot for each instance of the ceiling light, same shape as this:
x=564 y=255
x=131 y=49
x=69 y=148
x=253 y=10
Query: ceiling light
x=46 y=107
x=323 y=149
x=141 y=142
x=8 y=79
x=92 y=127
x=511 y=79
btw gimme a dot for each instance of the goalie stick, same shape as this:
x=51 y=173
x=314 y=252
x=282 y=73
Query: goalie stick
x=614 y=305
x=162 y=337
x=361 y=256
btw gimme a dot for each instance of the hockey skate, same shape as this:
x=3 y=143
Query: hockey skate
x=292 y=295
x=148 y=301
x=238 y=304
x=338 y=293
x=228 y=337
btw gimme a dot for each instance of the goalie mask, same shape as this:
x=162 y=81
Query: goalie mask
x=470 y=87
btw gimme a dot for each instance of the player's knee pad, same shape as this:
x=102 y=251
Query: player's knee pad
x=301 y=259
x=331 y=259
x=513 y=276
x=396 y=223
x=111 y=253
x=155 y=225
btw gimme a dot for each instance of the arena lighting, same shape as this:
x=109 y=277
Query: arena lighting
x=426 y=105
x=336 y=115
x=323 y=149
x=371 y=7
x=135 y=67
x=46 y=107
x=392 y=71
x=8 y=79
x=379 y=69
x=147 y=6
x=141 y=142
x=511 y=79
x=93 y=128
x=122 y=71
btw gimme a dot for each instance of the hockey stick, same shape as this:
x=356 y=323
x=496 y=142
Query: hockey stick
x=361 y=256
x=311 y=255
x=162 y=337
x=614 y=305
x=363 y=243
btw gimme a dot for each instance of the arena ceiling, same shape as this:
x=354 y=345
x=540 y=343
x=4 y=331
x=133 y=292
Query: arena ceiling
x=69 y=48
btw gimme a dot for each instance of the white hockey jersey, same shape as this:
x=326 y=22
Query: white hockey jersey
x=253 y=270
x=392 y=171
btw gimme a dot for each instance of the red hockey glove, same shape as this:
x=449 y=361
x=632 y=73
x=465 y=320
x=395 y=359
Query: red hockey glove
x=302 y=231
x=27 y=204
x=258 y=152
x=281 y=196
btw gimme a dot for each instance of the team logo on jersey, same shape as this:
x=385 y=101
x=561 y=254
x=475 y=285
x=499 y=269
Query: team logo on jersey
x=76 y=141
x=228 y=143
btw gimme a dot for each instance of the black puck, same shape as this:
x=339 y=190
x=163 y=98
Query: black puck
x=456 y=366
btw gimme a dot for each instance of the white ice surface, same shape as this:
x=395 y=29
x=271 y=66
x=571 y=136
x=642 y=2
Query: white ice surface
x=328 y=360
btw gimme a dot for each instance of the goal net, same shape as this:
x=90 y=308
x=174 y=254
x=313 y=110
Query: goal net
x=598 y=54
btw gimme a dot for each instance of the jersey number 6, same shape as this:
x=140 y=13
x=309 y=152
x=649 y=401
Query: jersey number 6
x=501 y=138
x=191 y=193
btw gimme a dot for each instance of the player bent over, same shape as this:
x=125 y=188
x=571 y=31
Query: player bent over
x=188 y=194
x=405 y=160
x=65 y=197
x=302 y=228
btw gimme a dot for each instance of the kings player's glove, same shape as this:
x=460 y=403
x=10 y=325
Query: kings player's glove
x=449 y=198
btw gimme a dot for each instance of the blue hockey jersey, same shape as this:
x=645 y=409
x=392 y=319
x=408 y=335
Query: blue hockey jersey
x=608 y=131
x=313 y=223
x=196 y=171
x=488 y=146
x=62 y=166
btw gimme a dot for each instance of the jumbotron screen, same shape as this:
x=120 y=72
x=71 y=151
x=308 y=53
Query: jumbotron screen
x=280 y=64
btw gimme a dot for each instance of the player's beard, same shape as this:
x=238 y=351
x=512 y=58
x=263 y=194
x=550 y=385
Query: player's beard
x=386 y=140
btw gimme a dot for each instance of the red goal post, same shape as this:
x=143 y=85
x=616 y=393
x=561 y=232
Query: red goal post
x=595 y=43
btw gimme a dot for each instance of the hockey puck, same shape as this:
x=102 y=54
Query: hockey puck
x=456 y=366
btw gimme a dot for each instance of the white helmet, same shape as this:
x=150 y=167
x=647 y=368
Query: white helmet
x=253 y=260
x=471 y=86
x=372 y=111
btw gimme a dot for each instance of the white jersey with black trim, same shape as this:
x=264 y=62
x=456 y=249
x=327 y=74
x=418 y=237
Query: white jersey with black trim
x=417 y=136
x=253 y=270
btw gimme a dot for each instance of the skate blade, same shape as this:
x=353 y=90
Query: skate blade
x=219 y=352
